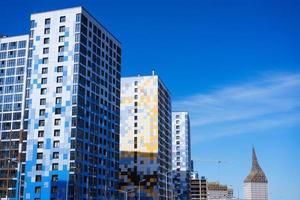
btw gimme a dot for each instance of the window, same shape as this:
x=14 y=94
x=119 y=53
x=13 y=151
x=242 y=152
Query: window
x=47 y=31
x=57 y=122
x=59 y=79
x=60 y=59
x=40 y=145
x=62 y=29
x=57 y=111
x=41 y=134
x=42 y=101
x=22 y=44
x=135 y=96
x=61 y=39
x=62 y=19
x=47 y=21
x=55 y=155
x=56 y=144
x=42 y=112
x=135 y=90
x=41 y=122
x=44 y=81
x=58 y=89
x=55 y=166
x=46 y=50
x=38 y=167
x=54 y=178
x=39 y=156
x=61 y=49
x=43 y=90
x=58 y=100
x=59 y=69
x=56 y=132
x=37 y=190
x=53 y=189
x=44 y=70
x=135 y=82
x=46 y=40
x=45 y=60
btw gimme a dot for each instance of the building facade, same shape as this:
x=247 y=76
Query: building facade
x=72 y=102
x=195 y=192
x=181 y=154
x=256 y=183
x=216 y=191
x=145 y=138
x=13 y=61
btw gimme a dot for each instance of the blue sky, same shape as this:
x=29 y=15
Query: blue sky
x=234 y=65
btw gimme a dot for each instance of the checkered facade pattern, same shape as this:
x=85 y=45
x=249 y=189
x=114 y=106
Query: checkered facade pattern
x=71 y=113
x=145 y=138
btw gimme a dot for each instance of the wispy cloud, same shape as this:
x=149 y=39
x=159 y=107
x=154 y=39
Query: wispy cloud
x=269 y=102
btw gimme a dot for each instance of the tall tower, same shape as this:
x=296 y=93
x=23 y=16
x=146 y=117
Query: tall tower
x=256 y=183
x=181 y=154
x=145 y=138
x=72 y=103
x=13 y=62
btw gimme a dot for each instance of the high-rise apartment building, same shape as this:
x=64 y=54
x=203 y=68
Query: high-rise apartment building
x=60 y=90
x=13 y=61
x=256 y=183
x=181 y=154
x=145 y=138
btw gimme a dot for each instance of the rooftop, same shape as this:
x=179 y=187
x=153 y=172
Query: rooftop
x=256 y=174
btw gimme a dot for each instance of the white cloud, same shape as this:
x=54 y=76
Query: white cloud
x=263 y=104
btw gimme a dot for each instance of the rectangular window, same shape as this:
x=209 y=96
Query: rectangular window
x=38 y=167
x=53 y=189
x=55 y=155
x=59 y=79
x=57 y=122
x=47 y=31
x=62 y=29
x=58 y=100
x=42 y=112
x=58 y=89
x=44 y=81
x=41 y=134
x=39 y=156
x=42 y=101
x=46 y=40
x=41 y=122
x=57 y=111
x=44 y=70
x=61 y=49
x=56 y=132
x=45 y=60
x=37 y=190
x=59 y=69
x=46 y=50
x=47 y=21
x=56 y=144
x=54 y=178
x=60 y=59
x=62 y=19
x=43 y=90
x=55 y=166
x=40 y=145
x=61 y=39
